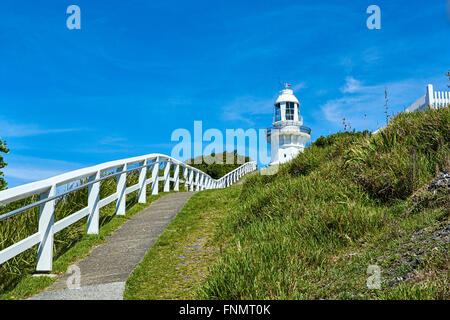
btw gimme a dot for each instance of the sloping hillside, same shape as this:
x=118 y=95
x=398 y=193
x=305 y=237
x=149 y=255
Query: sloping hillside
x=349 y=211
x=351 y=205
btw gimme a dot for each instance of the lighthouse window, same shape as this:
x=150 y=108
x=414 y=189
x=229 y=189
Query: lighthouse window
x=290 y=107
x=277 y=112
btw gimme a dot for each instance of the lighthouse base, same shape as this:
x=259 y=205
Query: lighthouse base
x=285 y=154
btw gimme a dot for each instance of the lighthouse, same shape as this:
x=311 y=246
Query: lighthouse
x=287 y=136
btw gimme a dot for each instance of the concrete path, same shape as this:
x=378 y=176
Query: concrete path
x=105 y=270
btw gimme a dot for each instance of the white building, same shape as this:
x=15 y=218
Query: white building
x=287 y=136
x=431 y=99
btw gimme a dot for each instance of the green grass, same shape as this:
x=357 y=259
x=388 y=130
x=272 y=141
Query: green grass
x=311 y=231
x=26 y=287
x=160 y=274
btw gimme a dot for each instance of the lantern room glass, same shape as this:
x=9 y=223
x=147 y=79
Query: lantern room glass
x=290 y=109
x=277 y=112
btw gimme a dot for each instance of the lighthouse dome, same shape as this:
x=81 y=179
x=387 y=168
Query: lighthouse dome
x=286 y=95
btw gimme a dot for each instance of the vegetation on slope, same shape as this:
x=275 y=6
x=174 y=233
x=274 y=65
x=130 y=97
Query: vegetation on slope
x=178 y=261
x=3 y=149
x=218 y=165
x=312 y=230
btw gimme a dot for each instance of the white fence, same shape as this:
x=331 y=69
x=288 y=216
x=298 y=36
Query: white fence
x=432 y=99
x=193 y=179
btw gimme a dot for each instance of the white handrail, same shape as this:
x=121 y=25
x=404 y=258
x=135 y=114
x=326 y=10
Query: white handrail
x=48 y=195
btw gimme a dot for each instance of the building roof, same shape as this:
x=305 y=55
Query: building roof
x=286 y=95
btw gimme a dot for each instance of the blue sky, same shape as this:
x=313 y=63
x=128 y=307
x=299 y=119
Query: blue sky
x=137 y=70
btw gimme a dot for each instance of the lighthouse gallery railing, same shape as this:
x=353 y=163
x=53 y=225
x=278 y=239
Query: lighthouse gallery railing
x=303 y=129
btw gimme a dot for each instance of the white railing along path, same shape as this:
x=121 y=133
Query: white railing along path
x=193 y=179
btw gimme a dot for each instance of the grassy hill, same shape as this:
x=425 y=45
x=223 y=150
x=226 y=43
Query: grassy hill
x=352 y=204
x=312 y=230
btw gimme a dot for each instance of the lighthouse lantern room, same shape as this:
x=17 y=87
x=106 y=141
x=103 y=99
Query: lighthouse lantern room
x=287 y=136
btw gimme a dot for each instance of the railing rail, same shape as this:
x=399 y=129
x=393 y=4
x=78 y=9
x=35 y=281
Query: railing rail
x=303 y=129
x=73 y=189
x=47 y=189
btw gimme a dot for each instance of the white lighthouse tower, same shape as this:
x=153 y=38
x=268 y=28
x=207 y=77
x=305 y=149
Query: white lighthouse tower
x=287 y=136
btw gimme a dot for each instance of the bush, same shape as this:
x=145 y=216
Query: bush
x=3 y=149
x=218 y=170
x=406 y=154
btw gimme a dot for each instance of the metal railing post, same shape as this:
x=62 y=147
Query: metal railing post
x=121 y=186
x=142 y=196
x=201 y=182
x=167 y=176
x=93 y=209
x=197 y=181
x=46 y=219
x=429 y=97
x=155 y=174
x=176 y=176
x=185 y=178
x=191 y=180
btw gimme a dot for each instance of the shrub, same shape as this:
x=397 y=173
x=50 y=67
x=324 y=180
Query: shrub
x=3 y=149
x=218 y=170
x=403 y=156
